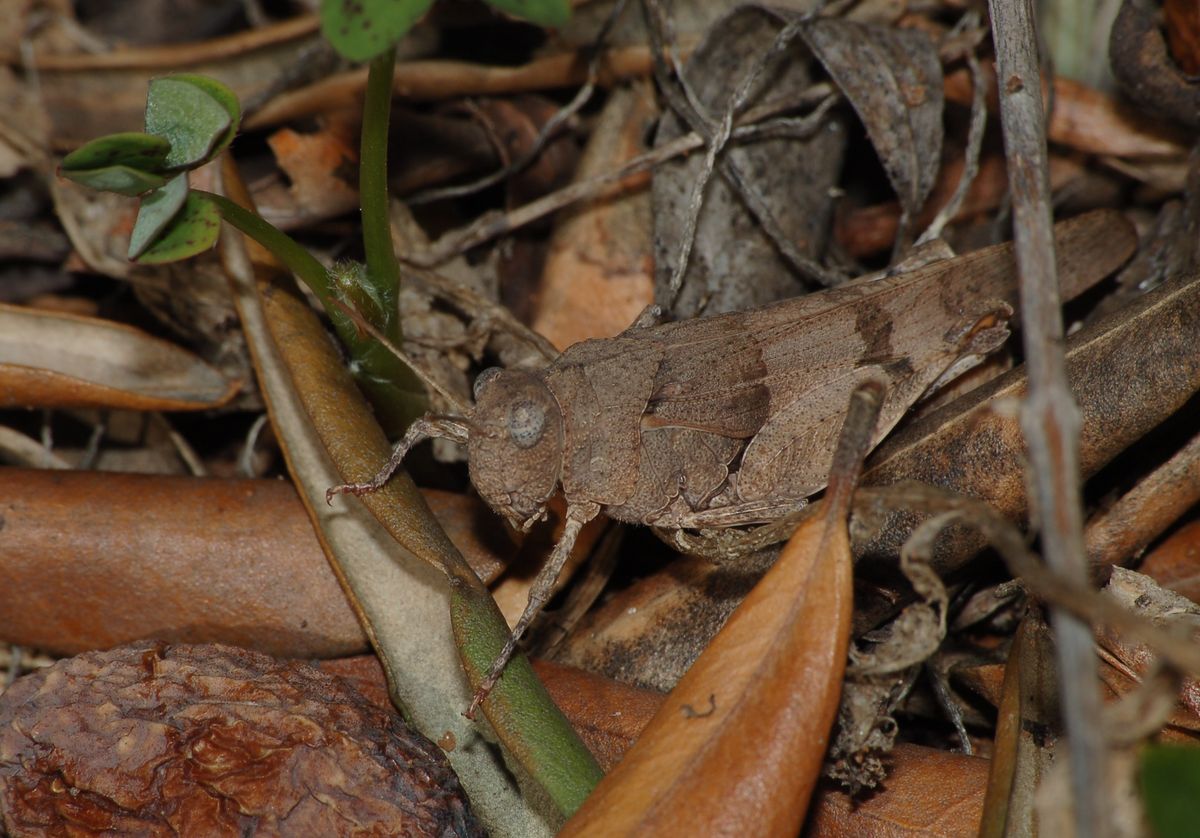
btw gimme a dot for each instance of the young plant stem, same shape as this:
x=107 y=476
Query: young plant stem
x=282 y=246
x=382 y=271
x=391 y=386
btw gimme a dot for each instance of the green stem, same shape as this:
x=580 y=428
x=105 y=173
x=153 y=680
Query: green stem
x=382 y=270
x=294 y=257
x=390 y=385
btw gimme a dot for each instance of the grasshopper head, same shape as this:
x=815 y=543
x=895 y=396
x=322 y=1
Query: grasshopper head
x=515 y=447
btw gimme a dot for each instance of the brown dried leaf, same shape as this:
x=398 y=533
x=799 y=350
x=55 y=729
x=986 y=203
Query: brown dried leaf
x=738 y=744
x=152 y=739
x=609 y=716
x=321 y=166
x=396 y=575
x=650 y=633
x=1175 y=564
x=89 y=95
x=1028 y=723
x=186 y=560
x=62 y=360
x=1087 y=119
x=929 y=792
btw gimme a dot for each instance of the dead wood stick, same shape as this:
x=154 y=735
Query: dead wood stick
x=442 y=79
x=492 y=224
x=1145 y=511
x=1049 y=419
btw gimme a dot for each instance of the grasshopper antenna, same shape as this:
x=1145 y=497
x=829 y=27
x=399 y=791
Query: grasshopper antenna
x=454 y=428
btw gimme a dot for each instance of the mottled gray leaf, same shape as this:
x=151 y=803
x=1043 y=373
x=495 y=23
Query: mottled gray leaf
x=893 y=79
x=735 y=265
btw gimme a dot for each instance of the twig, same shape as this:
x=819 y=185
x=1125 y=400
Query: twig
x=432 y=79
x=493 y=224
x=475 y=304
x=1125 y=529
x=1049 y=418
x=979 y=83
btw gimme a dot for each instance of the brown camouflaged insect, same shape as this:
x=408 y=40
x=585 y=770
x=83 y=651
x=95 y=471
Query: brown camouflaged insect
x=731 y=420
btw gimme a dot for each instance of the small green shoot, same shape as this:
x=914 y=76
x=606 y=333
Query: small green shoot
x=362 y=29
x=188 y=117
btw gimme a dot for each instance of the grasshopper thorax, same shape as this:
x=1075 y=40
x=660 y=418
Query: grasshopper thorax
x=516 y=443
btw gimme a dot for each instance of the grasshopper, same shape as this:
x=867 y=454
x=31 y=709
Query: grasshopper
x=731 y=420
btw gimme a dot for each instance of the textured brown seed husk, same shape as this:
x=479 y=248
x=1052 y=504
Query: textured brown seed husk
x=152 y=739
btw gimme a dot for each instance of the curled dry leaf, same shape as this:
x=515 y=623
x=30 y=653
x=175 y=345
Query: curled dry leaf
x=154 y=739
x=893 y=79
x=92 y=560
x=62 y=360
x=737 y=746
x=1128 y=662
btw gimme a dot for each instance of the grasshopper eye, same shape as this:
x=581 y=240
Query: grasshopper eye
x=526 y=421
x=484 y=378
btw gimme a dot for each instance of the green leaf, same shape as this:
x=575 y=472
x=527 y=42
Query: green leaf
x=188 y=116
x=129 y=164
x=541 y=12
x=193 y=229
x=362 y=29
x=156 y=211
x=142 y=152
x=1171 y=788
x=226 y=98
x=120 y=179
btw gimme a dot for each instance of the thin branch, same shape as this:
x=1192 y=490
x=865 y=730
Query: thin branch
x=975 y=131
x=1049 y=418
x=493 y=224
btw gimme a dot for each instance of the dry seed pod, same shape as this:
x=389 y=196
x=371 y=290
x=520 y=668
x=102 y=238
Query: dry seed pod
x=152 y=739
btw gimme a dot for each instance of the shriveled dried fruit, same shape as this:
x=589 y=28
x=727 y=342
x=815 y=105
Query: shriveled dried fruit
x=152 y=739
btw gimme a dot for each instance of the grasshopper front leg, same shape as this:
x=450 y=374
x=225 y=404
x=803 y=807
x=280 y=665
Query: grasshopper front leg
x=430 y=425
x=539 y=595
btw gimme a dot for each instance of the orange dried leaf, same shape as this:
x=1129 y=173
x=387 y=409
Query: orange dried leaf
x=929 y=792
x=737 y=746
x=185 y=560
